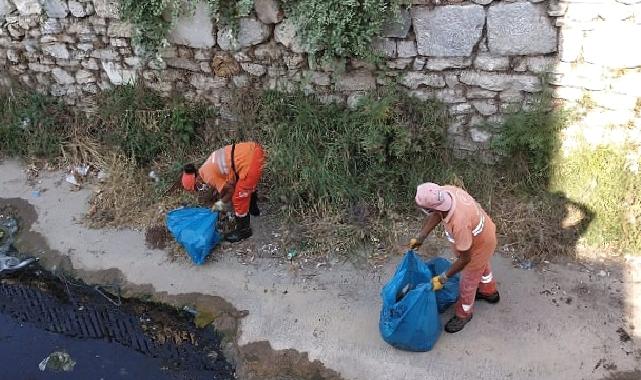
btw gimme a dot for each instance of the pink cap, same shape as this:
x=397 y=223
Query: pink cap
x=433 y=197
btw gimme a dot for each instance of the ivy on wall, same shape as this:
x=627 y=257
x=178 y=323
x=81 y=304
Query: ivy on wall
x=334 y=28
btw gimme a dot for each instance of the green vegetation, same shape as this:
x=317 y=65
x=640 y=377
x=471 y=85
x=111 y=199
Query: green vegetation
x=324 y=156
x=337 y=28
x=340 y=28
x=607 y=180
x=357 y=168
x=30 y=124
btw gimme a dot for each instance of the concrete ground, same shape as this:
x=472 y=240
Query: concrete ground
x=559 y=322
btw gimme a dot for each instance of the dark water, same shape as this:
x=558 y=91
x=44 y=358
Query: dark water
x=40 y=314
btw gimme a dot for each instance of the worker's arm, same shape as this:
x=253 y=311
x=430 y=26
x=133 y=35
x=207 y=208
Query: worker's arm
x=431 y=221
x=228 y=192
x=461 y=262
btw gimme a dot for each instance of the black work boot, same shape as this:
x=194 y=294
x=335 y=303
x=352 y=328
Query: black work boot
x=253 y=205
x=242 y=231
x=489 y=298
x=456 y=324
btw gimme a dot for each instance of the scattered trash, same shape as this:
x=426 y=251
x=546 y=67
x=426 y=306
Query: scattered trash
x=623 y=335
x=190 y=309
x=524 y=264
x=204 y=319
x=102 y=175
x=57 y=361
x=602 y=273
x=8 y=229
x=71 y=178
x=9 y=263
x=154 y=176
x=292 y=254
x=35 y=194
x=82 y=170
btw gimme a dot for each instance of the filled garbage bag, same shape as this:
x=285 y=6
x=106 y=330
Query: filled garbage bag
x=409 y=319
x=195 y=229
x=449 y=294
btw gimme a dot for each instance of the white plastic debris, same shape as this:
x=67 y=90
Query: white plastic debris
x=602 y=273
x=71 y=178
x=82 y=170
x=154 y=176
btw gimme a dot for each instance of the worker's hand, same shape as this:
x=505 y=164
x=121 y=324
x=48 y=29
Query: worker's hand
x=220 y=206
x=415 y=243
x=436 y=283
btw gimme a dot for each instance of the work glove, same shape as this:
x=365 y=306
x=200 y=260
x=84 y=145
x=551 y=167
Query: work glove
x=436 y=283
x=220 y=206
x=415 y=243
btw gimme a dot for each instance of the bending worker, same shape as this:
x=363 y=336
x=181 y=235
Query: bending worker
x=473 y=237
x=233 y=172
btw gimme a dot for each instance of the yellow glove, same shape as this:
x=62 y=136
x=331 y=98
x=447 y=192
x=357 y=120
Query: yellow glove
x=414 y=243
x=436 y=283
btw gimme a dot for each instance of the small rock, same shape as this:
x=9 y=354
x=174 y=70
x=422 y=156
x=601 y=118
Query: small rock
x=268 y=11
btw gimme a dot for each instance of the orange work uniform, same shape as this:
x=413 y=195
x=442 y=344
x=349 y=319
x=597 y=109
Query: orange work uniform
x=469 y=228
x=248 y=162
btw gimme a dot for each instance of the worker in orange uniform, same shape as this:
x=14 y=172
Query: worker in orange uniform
x=234 y=172
x=473 y=237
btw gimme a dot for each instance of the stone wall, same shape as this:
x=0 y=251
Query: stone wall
x=482 y=58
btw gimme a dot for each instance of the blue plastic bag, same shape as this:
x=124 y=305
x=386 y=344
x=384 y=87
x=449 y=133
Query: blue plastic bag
x=195 y=229
x=450 y=292
x=409 y=319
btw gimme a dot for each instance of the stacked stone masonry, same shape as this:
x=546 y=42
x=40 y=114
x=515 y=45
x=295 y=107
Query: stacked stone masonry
x=483 y=59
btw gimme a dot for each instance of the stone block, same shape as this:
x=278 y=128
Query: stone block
x=6 y=7
x=488 y=62
x=268 y=52
x=286 y=33
x=511 y=96
x=398 y=26
x=319 y=78
x=520 y=29
x=51 y=26
x=614 y=101
x=500 y=82
x=195 y=30
x=613 y=45
x=480 y=135
x=77 y=9
x=385 y=47
x=628 y=84
x=107 y=8
x=399 y=63
x=415 y=79
x=448 y=31
x=268 y=11
x=84 y=76
x=252 y=32
x=183 y=63
x=117 y=75
x=28 y=7
x=62 y=77
x=406 y=49
x=460 y=109
x=39 y=68
x=254 y=69
x=583 y=75
x=419 y=63
x=205 y=82
x=540 y=65
x=120 y=29
x=55 y=8
x=478 y=93
x=485 y=107
x=57 y=50
x=360 y=80
x=439 y=64
x=450 y=95
x=570 y=44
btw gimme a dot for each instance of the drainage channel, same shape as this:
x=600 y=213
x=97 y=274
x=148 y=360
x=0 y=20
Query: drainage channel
x=127 y=338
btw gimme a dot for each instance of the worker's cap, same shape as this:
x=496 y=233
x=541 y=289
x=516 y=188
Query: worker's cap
x=189 y=181
x=431 y=196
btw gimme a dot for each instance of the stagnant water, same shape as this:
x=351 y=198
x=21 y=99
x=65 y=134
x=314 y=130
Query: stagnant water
x=108 y=337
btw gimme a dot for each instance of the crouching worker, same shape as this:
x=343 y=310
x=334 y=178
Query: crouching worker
x=472 y=235
x=233 y=172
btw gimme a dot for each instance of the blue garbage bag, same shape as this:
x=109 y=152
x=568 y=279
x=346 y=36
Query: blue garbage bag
x=409 y=319
x=450 y=292
x=195 y=229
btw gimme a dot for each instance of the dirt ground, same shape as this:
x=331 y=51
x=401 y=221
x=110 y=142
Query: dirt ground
x=577 y=320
